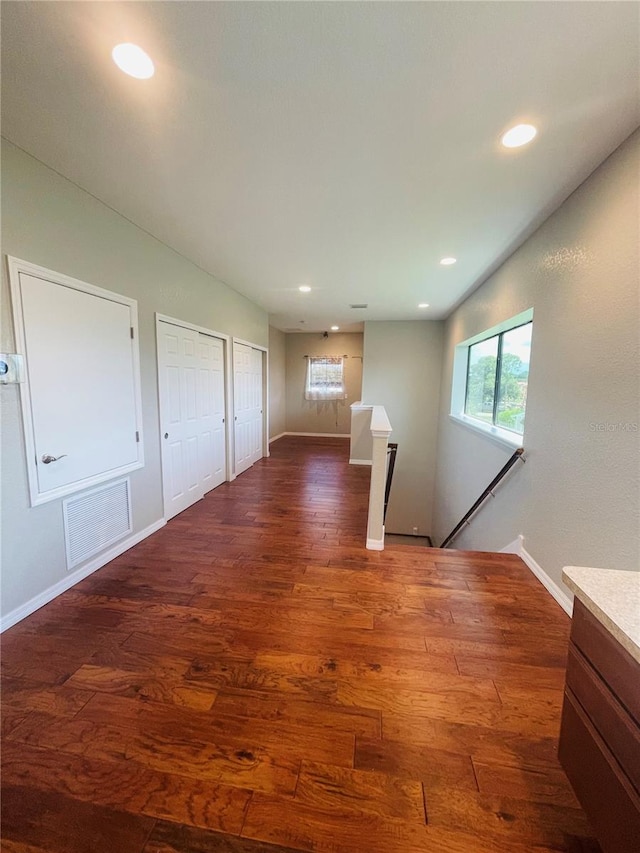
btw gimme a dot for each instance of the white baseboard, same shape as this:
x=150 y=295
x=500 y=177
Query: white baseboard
x=72 y=579
x=375 y=544
x=517 y=547
x=276 y=437
x=360 y=462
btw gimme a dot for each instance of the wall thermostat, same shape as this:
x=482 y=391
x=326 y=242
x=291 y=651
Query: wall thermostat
x=11 y=368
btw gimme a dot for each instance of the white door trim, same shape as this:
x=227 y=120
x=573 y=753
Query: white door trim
x=15 y=267
x=265 y=395
x=228 y=400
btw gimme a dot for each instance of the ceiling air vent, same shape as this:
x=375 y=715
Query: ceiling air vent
x=361 y=305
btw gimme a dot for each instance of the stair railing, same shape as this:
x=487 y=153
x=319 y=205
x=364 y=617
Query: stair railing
x=517 y=456
x=392 y=450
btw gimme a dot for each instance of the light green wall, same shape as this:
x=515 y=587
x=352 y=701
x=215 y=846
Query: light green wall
x=312 y=415
x=49 y=221
x=576 y=500
x=277 y=382
x=402 y=368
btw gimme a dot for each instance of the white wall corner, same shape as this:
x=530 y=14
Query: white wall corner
x=514 y=547
x=517 y=547
x=72 y=579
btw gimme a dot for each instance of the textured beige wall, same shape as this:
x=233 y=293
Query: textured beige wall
x=576 y=500
x=312 y=415
x=277 y=382
x=48 y=220
x=402 y=369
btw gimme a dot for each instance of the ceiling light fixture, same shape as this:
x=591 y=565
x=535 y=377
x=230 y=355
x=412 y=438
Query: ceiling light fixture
x=133 y=61
x=423 y=305
x=519 y=135
x=335 y=328
x=304 y=288
x=446 y=262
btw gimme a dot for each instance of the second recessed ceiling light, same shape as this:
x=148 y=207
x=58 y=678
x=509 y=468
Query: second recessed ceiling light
x=133 y=61
x=304 y=288
x=519 y=135
x=446 y=262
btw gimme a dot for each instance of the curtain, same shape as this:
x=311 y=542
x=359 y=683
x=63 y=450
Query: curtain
x=325 y=378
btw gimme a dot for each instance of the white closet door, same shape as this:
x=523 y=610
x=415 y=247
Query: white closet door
x=242 y=406
x=192 y=415
x=178 y=381
x=212 y=433
x=256 y=405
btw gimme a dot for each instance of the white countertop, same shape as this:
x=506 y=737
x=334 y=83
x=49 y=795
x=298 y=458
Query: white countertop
x=613 y=597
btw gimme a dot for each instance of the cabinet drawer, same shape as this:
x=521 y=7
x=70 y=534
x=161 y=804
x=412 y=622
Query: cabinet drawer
x=604 y=792
x=614 y=663
x=617 y=729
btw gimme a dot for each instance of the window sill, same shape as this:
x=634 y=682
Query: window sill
x=499 y=436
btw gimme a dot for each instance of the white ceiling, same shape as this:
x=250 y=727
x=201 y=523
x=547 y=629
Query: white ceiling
x=348 y=146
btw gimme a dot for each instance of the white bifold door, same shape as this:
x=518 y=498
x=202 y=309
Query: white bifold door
x=192 y=415
x=247 y=396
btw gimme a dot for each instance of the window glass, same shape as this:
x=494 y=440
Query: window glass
x=514 y=374
x=481 y=379
x=325 y=378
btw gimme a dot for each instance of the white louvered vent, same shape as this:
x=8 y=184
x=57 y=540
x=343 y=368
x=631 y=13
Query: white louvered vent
x=95 y=520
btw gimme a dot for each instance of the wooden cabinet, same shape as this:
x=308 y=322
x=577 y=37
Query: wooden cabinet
x=600 y=732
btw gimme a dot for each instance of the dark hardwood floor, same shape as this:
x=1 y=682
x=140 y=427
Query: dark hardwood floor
x=251 y=680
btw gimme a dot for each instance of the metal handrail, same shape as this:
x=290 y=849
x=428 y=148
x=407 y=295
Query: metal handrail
x=392 y=450
x=488 y=491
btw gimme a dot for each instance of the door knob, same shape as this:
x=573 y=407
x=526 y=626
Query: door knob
x=166 y=435
x=47 y=459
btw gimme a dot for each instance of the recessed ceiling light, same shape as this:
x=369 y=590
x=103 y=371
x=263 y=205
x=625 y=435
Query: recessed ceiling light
x=133 y=61
x=304 y=288
x=423 y=305
x=446 y=262
x=519 y=135
x=335 y=328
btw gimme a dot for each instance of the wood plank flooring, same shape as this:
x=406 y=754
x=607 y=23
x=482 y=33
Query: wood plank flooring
x=251 y=680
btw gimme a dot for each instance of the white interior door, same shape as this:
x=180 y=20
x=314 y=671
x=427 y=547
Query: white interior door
x=213 y=455
x=192 y=419
x=247 y=395
x=256 y=405
x=82 y=384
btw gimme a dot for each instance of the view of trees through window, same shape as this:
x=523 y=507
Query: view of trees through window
x=497 y=376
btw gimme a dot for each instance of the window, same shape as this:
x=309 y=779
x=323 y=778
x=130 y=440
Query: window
x=496 y=380
x=325 y=378
x=490 y=375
